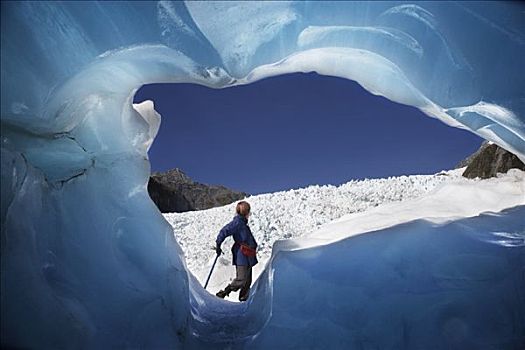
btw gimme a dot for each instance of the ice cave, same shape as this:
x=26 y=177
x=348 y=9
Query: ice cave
x=87 y=260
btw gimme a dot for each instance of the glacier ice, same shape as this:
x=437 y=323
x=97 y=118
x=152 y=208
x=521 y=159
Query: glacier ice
x=87 y=260
x=412 y=286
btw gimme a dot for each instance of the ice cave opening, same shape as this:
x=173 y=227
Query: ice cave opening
x=286 y=120
x=265 y=115
x=87 y=260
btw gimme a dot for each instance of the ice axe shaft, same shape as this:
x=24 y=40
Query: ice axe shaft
x=212 y=267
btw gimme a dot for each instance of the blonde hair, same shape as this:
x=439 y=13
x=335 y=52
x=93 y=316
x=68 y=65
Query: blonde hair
x=243 y=208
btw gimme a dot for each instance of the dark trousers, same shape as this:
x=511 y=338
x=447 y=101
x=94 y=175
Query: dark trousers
x=242 y=281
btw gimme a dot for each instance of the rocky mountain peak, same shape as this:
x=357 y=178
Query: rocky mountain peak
x=174 y=191
x=488 y=161
x=175 y=176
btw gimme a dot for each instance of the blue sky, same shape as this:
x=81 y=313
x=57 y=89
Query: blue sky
x=295 y=130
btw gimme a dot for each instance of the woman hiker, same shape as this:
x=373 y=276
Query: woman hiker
x=243 y=251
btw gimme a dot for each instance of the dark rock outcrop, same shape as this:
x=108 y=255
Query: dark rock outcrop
x=174 y=191
x=489 y=160
x=465 y=162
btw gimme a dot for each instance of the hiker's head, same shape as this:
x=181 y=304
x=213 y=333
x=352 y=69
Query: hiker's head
x=243 y=208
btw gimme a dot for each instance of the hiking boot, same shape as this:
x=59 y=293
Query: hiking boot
x=244 y=296
x=223 y=293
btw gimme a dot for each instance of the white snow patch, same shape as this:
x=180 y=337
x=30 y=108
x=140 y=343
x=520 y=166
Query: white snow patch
x=453 y=200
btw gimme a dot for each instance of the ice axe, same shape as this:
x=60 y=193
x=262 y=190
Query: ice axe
x=212 y=267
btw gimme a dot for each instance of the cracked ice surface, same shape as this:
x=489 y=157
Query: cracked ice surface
x=88 y=261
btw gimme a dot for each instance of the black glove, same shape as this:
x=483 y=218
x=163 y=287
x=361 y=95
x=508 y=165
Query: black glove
x=218 y=250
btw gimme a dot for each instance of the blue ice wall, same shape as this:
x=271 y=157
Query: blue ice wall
x=81 y=243
x=414 y=286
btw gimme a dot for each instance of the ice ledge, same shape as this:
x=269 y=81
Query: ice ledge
x=448 y=202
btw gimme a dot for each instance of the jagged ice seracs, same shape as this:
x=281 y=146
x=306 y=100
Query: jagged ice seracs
x=87 y=261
